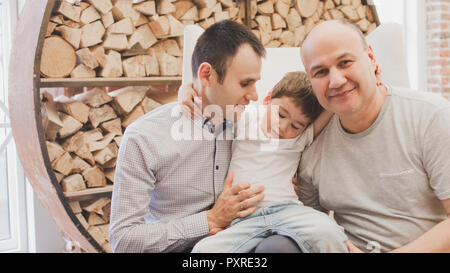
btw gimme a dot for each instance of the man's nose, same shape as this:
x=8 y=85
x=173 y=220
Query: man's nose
x=252 y=94
x=337 y=79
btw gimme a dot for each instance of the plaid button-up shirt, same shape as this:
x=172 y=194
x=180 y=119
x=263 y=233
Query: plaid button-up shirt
x=164 y=185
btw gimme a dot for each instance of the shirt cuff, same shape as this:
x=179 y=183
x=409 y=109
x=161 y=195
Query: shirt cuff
x=196 y=225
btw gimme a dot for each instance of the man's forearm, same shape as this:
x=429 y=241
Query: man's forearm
x=436 y=239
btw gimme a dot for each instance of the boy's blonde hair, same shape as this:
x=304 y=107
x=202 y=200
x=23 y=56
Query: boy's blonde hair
x=296 y=85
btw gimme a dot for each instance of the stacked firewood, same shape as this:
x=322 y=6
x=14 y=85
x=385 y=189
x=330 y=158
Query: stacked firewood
x=285 y=23
x=83 y=135
x=125 y=38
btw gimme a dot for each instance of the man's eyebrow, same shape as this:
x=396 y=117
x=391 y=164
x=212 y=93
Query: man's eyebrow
x=342 y=56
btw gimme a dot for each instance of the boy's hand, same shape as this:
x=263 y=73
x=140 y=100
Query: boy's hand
x=190 y=100
x=234 y=202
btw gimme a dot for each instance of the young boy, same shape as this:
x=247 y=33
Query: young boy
x=266 y=151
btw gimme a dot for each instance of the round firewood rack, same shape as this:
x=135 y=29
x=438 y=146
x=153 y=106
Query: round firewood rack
x=25 y=84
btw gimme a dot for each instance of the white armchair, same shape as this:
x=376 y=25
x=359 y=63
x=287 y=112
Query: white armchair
x=386 y=41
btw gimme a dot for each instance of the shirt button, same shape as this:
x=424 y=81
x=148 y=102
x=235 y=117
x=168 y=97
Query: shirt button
x=217 y=167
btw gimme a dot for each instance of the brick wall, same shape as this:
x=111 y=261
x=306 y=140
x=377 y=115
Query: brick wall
x=438 y=46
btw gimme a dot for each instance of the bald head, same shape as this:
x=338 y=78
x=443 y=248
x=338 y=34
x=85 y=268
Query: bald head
x=333 y=29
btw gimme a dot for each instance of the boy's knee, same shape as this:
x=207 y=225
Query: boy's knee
x=277 y=244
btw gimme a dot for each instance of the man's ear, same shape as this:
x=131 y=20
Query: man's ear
x=205 y=74
x=377 y=66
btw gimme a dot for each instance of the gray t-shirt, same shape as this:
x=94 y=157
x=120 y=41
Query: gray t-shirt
x=384 y=184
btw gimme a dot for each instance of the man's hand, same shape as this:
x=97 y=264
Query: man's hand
x=234 y=202
x=190 y=100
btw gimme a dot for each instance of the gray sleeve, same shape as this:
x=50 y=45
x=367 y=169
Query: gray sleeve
x=308 y=194
x=436 y=151
x=133 y=188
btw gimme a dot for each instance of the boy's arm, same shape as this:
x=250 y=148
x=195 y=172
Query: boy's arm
x=321 y=122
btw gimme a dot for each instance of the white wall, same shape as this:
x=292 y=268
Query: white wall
x=410 y=14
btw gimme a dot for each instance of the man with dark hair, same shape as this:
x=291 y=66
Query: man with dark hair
x=169 y=193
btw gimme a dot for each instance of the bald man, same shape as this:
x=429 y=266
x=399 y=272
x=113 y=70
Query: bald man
x=382 y=163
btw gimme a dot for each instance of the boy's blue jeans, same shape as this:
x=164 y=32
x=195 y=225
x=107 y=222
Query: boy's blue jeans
x=312 y=230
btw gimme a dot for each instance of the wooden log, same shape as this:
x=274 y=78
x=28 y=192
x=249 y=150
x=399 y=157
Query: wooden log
x=101 y=144
x=89 y=15
x=71 y=35
x=99 y=54
x=79 y=145
x=95 y=205
x=151 y=65
x=78 y=165
x=264 y=23
x=96 y=233
x=265 y=8
x=133 y=116
x=336 y=14
x=94 y=98
x=181 y=7
x=107 y=19
x=82 y=71
x=70 y=126
x=92 y=34
x=306 y=8
x=74 y=108
x=50 y=118
x=125 y=99
x=149 y=104
x=206 y=3
x=70 y=11
x=113 y=65
x=220 y=16
x=114 y=126
x=75 y=206
x=278 y=21
x=73 y=183
x=82 y=220
x=363 y=25
x=176 y=28
x=117 y=42
x=86 y=57
x=94 y=219
x=191 y=14
x=124 y=26
x=350 y=13
x=165 y=7
x=144 y=36
x=299 y=35
x=293 y=19
x=160 y=26
x=54 y=150
x=106 y=154
x=58 y=58
x=101 y=114
x=134 y=67
x=109 y=174
x=168 y=65
x=147 y=8
x=52 y=26
x=103 y=6
x=94 y=177
x=287 y=38
x=63 y=164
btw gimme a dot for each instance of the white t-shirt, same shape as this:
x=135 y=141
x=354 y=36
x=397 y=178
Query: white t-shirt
x=263 y=161
x=384 y=184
